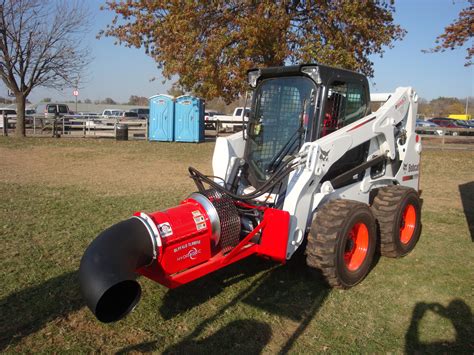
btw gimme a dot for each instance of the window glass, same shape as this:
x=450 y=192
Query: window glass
x=62 y=109
x=282 y=106
x=52 y=109
x=346 y=103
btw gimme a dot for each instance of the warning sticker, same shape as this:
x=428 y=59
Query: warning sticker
x=196 y=213
x=165 y=229
x=200 y=226
x=198 y=219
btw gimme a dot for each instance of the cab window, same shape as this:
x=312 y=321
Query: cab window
x=345 y=103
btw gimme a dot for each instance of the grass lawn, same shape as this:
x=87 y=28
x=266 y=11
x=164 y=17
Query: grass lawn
x=57 y=195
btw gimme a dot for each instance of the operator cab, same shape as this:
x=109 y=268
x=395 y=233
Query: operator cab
x=297 y=104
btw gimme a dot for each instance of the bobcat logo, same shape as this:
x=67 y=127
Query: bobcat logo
x=324 y=155
x=405 y=167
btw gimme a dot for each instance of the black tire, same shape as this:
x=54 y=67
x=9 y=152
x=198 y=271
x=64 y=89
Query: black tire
x=329 y=242
x=389 y=207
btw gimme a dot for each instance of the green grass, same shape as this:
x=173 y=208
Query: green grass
x=421 y=302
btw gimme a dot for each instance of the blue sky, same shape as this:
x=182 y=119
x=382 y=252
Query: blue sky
x=119 y=72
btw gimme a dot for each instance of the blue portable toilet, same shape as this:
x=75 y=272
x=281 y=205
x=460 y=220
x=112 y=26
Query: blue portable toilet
x=189 y=119
x=161 y=119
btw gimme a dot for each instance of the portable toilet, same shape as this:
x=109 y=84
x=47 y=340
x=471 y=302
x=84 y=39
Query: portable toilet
x=161 y=119
x=189 y=119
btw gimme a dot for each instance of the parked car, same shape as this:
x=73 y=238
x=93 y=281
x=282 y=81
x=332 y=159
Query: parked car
x=466 y=124
x=421 y=123
x=448 y=123
x=56 y=110
x=112 y=113
x=89 y=114
x=129 y=115
x=143 y=113
x=210 y=120
x=11 y=115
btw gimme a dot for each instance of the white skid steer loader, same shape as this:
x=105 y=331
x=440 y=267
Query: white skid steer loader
x=313 y=168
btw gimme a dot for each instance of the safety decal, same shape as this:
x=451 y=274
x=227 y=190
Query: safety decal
x=201 y=226
x=196 y=213
x=198 y=219
x=409 y=177
x=361 y=124
x=165 y=230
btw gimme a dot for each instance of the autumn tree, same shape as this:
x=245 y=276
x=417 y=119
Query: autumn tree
x=175 y=90
x=40 y=46
x=210 y=45
x=458 y=33
x=441 y=107
x=137 y=100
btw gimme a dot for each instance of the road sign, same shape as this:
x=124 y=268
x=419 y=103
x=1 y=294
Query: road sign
x=75 y=92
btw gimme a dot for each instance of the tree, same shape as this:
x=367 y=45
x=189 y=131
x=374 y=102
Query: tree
x=441 y=107
x=211 y=45
x=175 y=90
x=40 y=46
x=137 y=100
x=87 y=101
x=457 y=34
x=108 y=101
x=46 y=99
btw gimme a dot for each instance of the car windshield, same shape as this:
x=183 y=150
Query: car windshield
x=278 y=121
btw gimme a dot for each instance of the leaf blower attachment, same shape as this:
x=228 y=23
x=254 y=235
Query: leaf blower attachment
x=160 y=246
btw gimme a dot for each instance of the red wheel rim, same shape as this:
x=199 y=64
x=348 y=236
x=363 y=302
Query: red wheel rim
x=408 y=224
x=356 y=246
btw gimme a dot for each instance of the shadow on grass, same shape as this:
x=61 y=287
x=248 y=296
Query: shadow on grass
x=292 y=291
x=467 y=198
x=26 y=311
x=243 y=336
x=458 y=312
x=188 y=296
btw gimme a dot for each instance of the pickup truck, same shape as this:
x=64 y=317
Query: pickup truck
x=232 y=122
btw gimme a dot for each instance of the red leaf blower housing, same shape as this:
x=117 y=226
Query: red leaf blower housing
x=174 y=247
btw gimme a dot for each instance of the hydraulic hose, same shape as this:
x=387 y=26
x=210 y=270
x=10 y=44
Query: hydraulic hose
x=107 y=272
x=276 y=178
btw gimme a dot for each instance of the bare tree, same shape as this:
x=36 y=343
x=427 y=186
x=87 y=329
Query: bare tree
x=40 y=45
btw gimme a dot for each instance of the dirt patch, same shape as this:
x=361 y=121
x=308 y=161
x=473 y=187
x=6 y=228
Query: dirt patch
x=111 y=173
x=441 y=174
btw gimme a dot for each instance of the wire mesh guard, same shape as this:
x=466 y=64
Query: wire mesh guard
x=278 y=116
x=228 y=216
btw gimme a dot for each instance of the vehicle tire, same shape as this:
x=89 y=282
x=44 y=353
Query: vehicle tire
x=398 y=213
x=341 y=242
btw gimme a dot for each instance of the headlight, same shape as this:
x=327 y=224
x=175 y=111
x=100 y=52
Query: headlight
x=253 y=76
x=313 y=72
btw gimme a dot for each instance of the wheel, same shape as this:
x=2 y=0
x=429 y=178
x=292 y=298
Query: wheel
x=341 y=242
x=398 y=213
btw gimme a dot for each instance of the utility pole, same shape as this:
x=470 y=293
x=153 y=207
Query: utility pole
x=467 y=103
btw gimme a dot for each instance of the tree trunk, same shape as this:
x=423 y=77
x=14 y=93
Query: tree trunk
x=20 y=115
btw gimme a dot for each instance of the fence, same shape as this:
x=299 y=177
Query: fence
x=79 y=126
x=93 y=126
x=447 y=138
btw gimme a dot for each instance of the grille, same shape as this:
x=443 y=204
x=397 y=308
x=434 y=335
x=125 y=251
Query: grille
x=228 y=216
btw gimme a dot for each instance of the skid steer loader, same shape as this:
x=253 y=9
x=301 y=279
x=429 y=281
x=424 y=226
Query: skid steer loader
x=313 y=164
